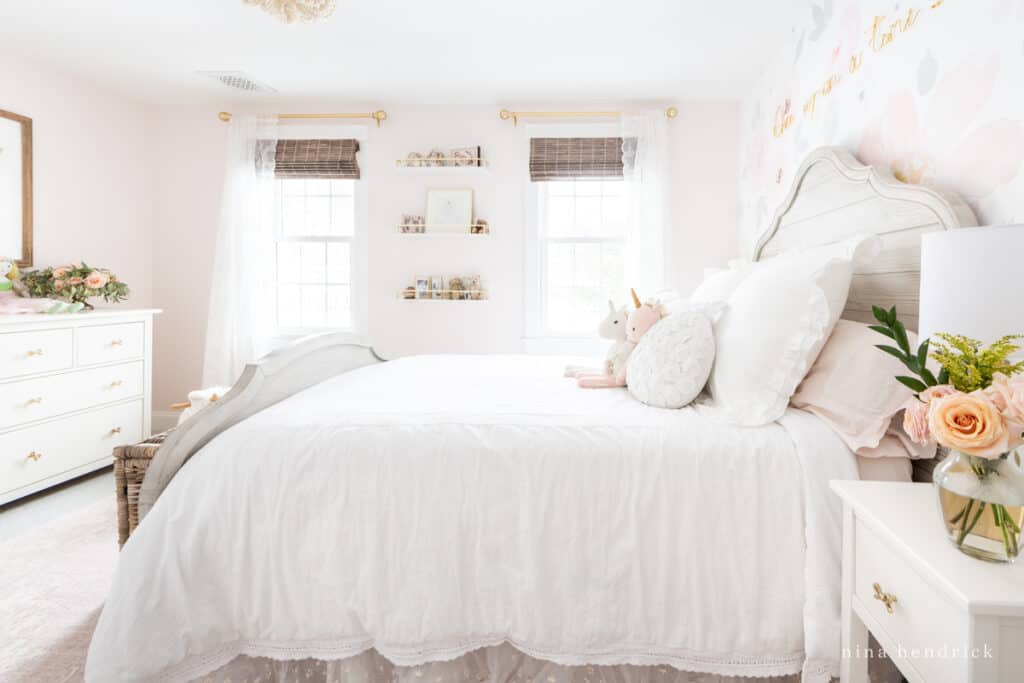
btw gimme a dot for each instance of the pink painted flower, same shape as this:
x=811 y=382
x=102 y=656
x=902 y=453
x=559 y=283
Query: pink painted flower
x=96 y=279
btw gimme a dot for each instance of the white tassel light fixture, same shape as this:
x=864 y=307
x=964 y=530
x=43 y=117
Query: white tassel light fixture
x=289 y=11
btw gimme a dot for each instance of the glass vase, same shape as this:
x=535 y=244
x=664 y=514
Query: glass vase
x=982 y=504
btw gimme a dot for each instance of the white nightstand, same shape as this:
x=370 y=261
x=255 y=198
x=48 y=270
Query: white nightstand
x=938 y=614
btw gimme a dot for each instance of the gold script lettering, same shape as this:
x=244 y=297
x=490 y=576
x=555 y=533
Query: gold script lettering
x=783 y=120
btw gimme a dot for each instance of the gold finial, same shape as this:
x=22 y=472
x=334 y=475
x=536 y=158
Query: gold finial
x=505 y=115
x=380 y=116
x=672 y=112
x=224 y=116
x=636 y=299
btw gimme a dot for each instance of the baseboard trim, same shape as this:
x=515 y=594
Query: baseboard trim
x=164 y=420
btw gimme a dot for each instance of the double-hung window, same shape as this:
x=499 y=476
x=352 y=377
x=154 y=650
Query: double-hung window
x=577 y=242
x=318 y=269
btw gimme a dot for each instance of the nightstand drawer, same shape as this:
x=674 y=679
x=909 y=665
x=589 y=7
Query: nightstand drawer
x=29 y=353
x=108 y=343
x=927 y=629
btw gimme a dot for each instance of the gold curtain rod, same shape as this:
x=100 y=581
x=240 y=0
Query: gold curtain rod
x=505 y=114
x=379 y=116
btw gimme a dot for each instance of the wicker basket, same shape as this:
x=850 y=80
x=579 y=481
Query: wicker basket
x=130 y=464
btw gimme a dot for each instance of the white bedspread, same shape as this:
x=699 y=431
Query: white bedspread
x=433 y=505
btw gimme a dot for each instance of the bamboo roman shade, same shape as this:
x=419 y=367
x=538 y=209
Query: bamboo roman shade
x=317 y=159
x=572 y=158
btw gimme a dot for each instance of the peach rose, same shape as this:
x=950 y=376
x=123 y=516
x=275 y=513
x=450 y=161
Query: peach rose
x=1008 y=395
x=96 y=279
x=938 y=391
x=58 y=285
x=970 y=423
x=75 y=281
x=60 y=273
x=915 y=422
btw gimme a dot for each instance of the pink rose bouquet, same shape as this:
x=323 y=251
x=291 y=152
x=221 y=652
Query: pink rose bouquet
x=75 y=283
x=974 y=405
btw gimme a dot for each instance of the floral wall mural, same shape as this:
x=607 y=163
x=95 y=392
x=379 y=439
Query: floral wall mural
x=933 y=90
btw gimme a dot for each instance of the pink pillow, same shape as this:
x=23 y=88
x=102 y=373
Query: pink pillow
x=852 y=387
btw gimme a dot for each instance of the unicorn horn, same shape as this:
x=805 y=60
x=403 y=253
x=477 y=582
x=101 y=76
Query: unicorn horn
x=636 y=299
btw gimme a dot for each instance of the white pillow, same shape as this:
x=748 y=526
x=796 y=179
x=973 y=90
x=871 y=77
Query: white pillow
x=671 y=364
x=719 y=284
x=776 y=322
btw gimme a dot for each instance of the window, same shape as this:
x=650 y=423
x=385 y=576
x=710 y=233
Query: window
x=314 y=253
x=581 y=243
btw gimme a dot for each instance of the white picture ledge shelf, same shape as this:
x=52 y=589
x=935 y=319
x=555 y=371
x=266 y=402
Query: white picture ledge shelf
x=481 y=295
x=437 y=231
x=404 y=165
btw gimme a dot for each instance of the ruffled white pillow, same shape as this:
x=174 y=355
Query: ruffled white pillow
x=671 y=364
x=774 y=326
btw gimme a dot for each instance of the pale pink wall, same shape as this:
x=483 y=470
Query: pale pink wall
x=188 y=145
x=92 y=186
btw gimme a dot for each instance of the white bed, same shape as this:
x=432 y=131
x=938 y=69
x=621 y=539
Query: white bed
x=456 y=513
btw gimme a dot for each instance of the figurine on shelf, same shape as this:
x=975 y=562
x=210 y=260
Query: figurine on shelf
x=456 y=289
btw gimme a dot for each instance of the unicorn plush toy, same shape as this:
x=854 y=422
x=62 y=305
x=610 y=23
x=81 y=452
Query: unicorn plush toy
x=642 y=318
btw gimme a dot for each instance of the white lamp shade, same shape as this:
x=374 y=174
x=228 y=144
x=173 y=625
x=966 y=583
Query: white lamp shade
x=971 y=282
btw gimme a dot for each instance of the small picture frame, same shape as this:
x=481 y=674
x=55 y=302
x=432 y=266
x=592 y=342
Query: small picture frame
x=474 y=289
x=422 y=287
x=450 y=210
x=437 y=287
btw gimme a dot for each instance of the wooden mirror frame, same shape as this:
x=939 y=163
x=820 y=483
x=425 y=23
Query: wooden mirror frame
x=26 y=185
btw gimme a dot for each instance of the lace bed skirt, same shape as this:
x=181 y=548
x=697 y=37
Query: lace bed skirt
x=498 y=664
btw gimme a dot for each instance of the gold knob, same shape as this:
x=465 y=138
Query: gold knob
x=116 y=383
x=117 y=342
x=887 y=598
x=34 y=401
x=35 y=352
x=34 y=456
x=115 y=430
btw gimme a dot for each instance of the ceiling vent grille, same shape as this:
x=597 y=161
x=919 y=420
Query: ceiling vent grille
x=238 y=80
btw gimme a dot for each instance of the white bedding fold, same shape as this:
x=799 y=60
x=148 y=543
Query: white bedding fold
x=430 y=506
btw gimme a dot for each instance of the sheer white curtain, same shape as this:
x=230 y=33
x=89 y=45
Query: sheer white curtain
x=240 y=320
x=648 y=214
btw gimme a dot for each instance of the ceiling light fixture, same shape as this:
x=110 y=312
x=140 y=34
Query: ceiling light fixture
x=290 y=10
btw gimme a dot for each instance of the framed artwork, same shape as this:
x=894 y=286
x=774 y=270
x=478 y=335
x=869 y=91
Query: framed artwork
x=449 y=210
x=422 y=287
x=16 y=188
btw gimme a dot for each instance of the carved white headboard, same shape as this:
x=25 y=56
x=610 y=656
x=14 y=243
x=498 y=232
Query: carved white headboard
x=834 y=196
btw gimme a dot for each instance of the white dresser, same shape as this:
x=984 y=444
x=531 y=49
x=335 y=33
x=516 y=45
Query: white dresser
x=71 y=388
x=939 y=615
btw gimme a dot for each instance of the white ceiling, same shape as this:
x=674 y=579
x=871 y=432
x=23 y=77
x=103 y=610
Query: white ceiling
x=410 y=50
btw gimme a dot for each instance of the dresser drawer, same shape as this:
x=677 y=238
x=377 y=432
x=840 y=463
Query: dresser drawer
x=35 y=453
x=28 y=353
x=929 y=631
x=109 y=343
x=41 y=398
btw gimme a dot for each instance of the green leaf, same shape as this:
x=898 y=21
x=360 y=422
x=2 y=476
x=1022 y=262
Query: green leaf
x=892 y=351
x=880 y=314
x=883 y=330
x=928 y=377
x=911 y=383
x=901 y=336
x=922 y=353
x=891 y=316
x=943 y=376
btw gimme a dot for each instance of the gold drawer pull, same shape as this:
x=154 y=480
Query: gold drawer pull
x=34 y=401
x=34 y=456
x=34 y=352
x=115 y=430
x=117 y=342
x=116 y=383
x=888 y=598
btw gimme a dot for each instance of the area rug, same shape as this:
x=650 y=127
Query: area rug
x=54 y=579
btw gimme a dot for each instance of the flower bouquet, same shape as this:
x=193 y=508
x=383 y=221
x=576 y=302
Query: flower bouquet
x=974 y=409
x=75 y=283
